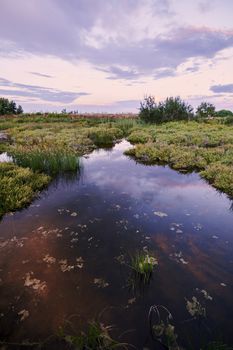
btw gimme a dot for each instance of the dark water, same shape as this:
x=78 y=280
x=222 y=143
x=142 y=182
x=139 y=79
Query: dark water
x=60 y=259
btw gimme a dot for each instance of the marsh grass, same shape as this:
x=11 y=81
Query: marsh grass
x=188 y=146
x=49 y=162
x=143 y=265
x=53 y=140
x=126 y=125
x=104 y=136
x=95 y=337
x=18 y=186
x=138 y=136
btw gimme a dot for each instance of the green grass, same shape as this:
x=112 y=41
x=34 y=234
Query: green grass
x=138 y=136
x=104 y=136
x=18 y=186
x=143 y=265
x=52 y=143
x=188 y=146
x=49 y=162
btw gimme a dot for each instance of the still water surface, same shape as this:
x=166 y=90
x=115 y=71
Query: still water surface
x=66 y=256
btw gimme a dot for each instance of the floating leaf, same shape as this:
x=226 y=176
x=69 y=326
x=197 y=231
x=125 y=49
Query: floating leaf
x=160 y=214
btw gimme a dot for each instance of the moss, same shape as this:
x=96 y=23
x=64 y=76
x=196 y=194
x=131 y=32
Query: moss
x=18 y=186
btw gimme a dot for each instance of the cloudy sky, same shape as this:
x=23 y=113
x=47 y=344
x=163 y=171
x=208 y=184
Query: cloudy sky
x=106 y=55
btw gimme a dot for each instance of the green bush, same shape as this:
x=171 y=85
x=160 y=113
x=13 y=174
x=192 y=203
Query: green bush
x=223 y=113
x=229 y=120
x=173 y=108
x=205 y=110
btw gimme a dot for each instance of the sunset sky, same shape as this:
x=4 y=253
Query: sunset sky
x=106 y=55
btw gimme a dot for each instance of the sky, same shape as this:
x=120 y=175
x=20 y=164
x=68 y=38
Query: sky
x=107 y=55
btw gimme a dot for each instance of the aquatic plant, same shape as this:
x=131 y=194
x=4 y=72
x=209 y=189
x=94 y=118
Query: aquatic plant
x=96 y=337
x=195 y=309
x=143 y=265
x=161 y=328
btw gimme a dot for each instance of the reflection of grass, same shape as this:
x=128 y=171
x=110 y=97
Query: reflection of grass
x=143 y=265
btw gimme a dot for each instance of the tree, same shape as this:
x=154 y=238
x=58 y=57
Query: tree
x=9 y=107
x=149 y=110
x=176 y=109
x=205 y=110
x=173 y=108
x=19 y=110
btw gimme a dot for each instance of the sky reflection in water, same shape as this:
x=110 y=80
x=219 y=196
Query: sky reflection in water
x=117 y=207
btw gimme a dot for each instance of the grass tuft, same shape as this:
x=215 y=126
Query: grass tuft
x=49 y=162
x=143 y=265
x=96 y=337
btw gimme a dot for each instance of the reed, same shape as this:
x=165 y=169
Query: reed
x=49 y=162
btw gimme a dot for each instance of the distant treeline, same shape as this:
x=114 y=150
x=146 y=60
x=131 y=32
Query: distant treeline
x=9 y=107
x=173 y=108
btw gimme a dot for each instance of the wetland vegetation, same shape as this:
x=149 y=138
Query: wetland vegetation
x=49 y=144
x=122 y=237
